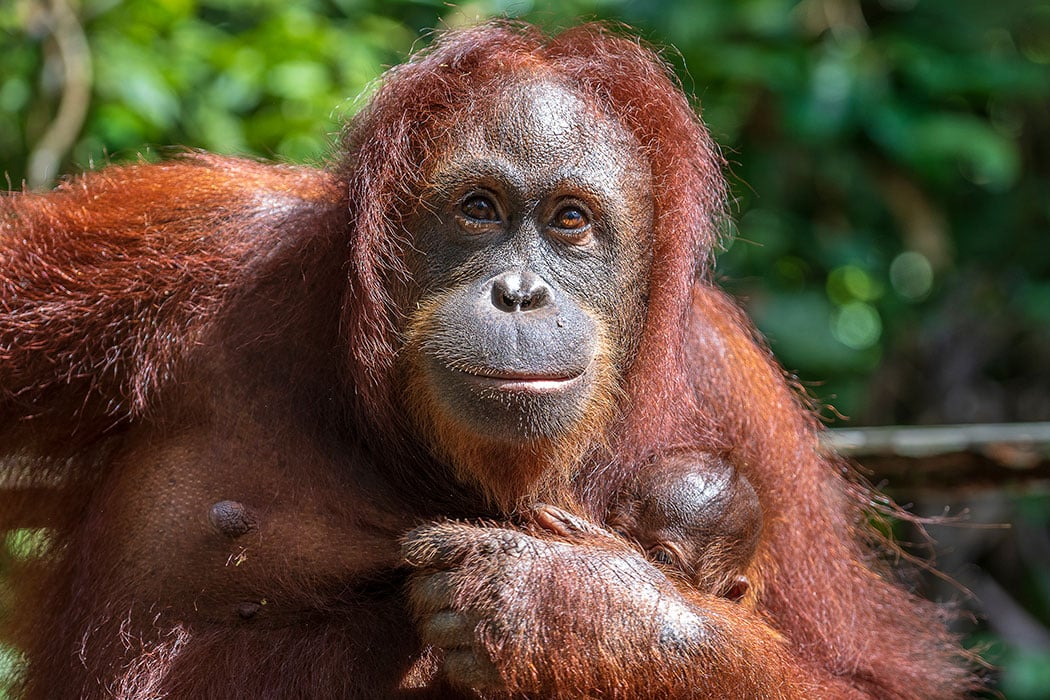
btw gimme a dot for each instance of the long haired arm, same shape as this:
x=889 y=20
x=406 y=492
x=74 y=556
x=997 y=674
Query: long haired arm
x=816 y=569
x=105 y=281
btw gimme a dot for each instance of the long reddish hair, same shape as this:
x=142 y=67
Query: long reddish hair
x=390 y=144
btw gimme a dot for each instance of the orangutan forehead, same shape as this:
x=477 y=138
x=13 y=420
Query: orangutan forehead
x=539 y=122
x=549 y=113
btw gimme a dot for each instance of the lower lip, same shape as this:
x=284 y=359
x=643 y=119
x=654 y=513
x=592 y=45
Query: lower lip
x=525 y=385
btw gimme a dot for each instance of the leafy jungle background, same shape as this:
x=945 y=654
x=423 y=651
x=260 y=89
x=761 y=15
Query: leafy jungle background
x=890 y=166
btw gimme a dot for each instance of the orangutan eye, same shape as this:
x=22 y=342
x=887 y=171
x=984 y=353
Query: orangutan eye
x=479 y=208
x=572 y=224
x=571 y=219
x=662 y=555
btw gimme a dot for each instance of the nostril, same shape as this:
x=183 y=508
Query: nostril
x=535 y=297
x=506 y=299
x=514 y=291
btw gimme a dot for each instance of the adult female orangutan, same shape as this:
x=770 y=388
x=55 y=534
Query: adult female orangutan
x=275 y=422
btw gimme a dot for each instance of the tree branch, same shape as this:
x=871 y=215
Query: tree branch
x=949 y=457
x=62 y=132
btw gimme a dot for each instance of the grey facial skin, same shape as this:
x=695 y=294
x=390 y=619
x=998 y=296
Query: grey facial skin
x=535 y=244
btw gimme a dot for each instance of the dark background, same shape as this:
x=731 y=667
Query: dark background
x=890 y=167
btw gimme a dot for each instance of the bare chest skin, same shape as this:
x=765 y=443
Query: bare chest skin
x=236 y=529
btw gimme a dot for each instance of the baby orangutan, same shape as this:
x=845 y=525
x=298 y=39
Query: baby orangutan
x=692 y=513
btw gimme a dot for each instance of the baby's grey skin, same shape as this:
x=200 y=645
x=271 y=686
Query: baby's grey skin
x=692 y=513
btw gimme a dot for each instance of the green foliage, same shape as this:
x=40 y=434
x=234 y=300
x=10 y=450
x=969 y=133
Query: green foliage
x=1026 y=674
x=261 y=77
x=26 y=543
x=887 y=157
